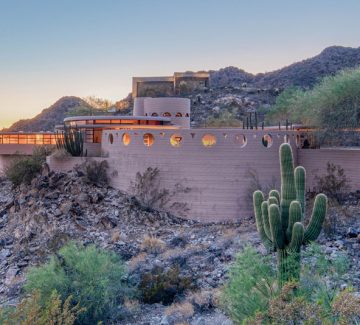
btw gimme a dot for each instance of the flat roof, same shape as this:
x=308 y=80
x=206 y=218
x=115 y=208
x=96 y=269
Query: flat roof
x=118 y=117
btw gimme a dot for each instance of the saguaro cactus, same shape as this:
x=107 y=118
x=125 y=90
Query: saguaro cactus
x=279 y=219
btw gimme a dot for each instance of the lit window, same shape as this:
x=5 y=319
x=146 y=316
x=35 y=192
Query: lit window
x=126 y=139
x=267 y=140
x=154 y=114
x=208 y=140
x=175 y=140
x=167 y=114
x=148 y=139
x=240 y=139
x=178 y=115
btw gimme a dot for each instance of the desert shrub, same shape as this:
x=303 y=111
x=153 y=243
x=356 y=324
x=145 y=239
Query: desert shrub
x=250 y=298
x=180 y=312
x=334 y=183
x=162 y=286
x=152 y=245
x=96 y=172
x=151 y=196
x=226 y=118
x=30 y=311
x=93 y=277
x=250 y=285
x=23 y=169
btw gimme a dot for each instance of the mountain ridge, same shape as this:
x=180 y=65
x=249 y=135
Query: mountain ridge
x=225 y=82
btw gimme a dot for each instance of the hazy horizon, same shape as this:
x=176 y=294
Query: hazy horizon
x=55 y=49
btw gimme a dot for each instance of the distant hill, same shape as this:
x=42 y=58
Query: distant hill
x=302 y=74
x=232 y=89
x=51 y=116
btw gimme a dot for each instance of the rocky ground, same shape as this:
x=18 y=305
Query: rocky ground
x=38 y=219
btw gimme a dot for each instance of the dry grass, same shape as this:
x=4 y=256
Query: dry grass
x=152 y=245
x=115 y=236
x=136 y=260
x=132 y=305
x=205 y=299
x=183 y=310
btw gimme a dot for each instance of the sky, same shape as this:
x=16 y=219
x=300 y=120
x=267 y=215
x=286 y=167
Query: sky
x=55 y=48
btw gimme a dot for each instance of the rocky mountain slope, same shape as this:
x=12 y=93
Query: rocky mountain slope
x=49 y=117
x=232 y=89
x=36 y=220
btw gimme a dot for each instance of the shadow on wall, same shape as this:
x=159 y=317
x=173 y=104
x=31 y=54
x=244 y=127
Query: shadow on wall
x=256 y=183
x=146 y=188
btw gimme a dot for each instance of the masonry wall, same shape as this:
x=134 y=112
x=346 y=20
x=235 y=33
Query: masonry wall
x=315 y=162
x=218 y=176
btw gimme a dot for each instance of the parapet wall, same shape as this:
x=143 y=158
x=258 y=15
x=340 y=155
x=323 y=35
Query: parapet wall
x=217 y=175
x=220 y=167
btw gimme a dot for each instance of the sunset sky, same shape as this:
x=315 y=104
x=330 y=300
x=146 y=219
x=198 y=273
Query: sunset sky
x=49 y=48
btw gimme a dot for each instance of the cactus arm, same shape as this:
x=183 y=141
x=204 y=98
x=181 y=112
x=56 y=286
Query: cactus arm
x=265 y=216
x=273 y=200
x=317 y=218
x=277 y=233
x=300 y=177
x=276 y=194
x=288 y=191
x=295 y=215
x=258 y=198
x=297 y=237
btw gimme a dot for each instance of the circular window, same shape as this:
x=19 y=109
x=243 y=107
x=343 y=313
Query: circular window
x=240 y=139
x=126 y=139
x=111 y=138
x=176 y=140
x=267 y=140
x=178 y=115
x=208 y=140
x=154 y=114
x=167 y=114
x=187 y=115
x=148 y=139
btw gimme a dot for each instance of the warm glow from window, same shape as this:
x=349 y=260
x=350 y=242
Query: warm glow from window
x=208 y=140
x=175 y=140
x=126 y=139
x=154 y=114
x=178 y=115
x=148 y=139
x=167 y=114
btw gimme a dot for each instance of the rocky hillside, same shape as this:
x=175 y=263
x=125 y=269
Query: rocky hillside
x=36 y=220
x=51 y=116
x=233 y=90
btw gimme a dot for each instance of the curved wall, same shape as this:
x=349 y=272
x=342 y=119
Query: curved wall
x=219 y=176
x=169 y=105
x=139 y=106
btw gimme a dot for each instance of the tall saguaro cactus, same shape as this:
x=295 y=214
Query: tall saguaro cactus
x=279 y=218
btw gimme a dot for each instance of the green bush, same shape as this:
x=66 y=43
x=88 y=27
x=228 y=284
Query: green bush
x=250 y=286
x=29 y=311
x=250 y=297
x=23 y=169
x=333 y=104
x=160 y=286
x=93 y=277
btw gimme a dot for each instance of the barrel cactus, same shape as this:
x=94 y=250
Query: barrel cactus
x=279 y=218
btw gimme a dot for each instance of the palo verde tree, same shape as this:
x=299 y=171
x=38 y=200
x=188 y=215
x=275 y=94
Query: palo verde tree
x=279 y=220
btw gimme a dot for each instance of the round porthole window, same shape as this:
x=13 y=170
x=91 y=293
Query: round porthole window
x=240 y=139
x=148 y=139
x=208 y=140
x=126 y=139
x=267 y=140
x=176 y=140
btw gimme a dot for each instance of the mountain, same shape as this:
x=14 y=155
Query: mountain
x=306 y=73
x=51 y=116
x=233 y=90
